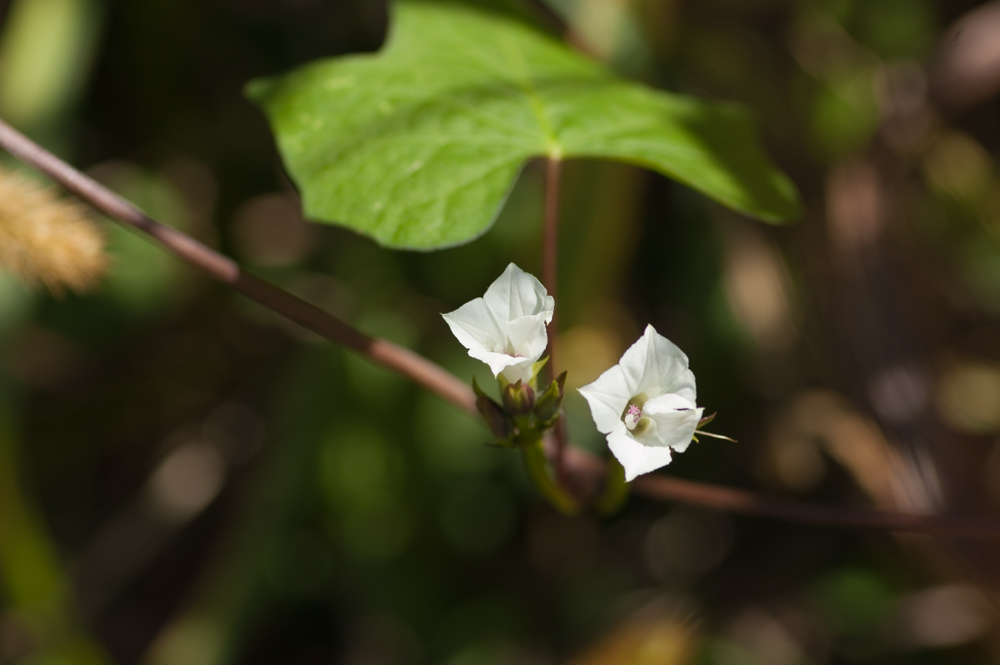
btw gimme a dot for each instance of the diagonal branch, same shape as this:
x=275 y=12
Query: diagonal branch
x=222 y=268
x=581 y=466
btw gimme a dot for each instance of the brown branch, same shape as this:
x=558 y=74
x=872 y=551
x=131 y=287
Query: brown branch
x=550 y=254
x=225 y=270
x=739 y=501
x=585 y=470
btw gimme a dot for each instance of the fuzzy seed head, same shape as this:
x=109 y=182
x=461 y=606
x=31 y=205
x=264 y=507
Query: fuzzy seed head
x=47 y=240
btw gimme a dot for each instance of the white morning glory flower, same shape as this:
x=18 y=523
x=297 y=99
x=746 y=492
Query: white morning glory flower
x=506 y=327
x=645 y=405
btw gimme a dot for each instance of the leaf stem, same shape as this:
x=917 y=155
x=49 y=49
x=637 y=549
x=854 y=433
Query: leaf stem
x=550 y=278
x=536 y=463
x=578 y=464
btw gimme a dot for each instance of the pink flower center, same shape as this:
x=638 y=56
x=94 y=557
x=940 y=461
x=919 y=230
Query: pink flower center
x=632 y=416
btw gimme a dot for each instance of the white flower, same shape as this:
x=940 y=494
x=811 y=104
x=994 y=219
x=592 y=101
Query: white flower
x=645 y=404
x=506 y=327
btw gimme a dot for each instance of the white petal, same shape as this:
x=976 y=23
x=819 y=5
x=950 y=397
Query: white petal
x=498 y=362
x=476 y=328
x=528 y=337
x=681 y=447
x=519 y=371
x=636 y=458
x=516 y=293
x=655 y=366
x=675 y=419
x=607 y=396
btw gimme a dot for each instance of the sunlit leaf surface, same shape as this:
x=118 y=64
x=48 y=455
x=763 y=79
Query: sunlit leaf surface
x=418 y=145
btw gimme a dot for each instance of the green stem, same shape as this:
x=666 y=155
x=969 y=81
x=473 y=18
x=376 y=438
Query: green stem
x=615 y=490
x=538 y=470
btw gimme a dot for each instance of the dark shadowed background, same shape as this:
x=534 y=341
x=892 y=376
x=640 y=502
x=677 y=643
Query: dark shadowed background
x=187 y=480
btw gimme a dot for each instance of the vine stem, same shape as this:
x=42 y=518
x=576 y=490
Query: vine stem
x=222 y=268
x=550 y=279
x=578 y=464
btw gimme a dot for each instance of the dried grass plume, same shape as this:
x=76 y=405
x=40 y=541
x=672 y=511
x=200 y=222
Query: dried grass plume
x=47 y=240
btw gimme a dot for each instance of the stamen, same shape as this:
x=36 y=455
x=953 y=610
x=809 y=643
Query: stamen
x=632 y=416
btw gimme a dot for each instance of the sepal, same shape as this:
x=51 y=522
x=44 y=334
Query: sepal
x=549 y=403
x=498 y=421
x=536 y=368
x=521 y=417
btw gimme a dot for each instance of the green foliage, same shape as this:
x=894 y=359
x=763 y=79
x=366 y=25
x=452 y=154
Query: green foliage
x=418 y=146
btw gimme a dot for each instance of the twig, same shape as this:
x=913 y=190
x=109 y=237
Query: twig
x=579 y=465
x=659 y=486
x=550 y=255
x=225 y=270
x=550 y=278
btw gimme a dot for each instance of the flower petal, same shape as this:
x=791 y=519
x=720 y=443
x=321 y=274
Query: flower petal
x=519 y=370
x=636 y=458
x=607 y=396
x=475 y=327
x=674 y=421
x=516 y=293
x=527 y=335
x=499 y=362
x=655 y=366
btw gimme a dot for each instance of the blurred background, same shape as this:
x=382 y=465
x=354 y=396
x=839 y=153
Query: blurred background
x=187 y=479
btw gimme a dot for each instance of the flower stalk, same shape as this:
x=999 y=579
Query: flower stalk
x=537 y=466
x=615 y=490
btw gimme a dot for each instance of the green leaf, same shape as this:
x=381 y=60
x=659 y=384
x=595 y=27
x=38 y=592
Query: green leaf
x=417 y=146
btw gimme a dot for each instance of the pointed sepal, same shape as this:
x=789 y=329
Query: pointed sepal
x=549 y=403
x=498 y=421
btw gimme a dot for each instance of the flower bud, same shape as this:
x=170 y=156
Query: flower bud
x=518 y=398
x=549 y=402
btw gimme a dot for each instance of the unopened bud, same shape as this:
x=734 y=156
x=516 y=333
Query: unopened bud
x=518 y=398
x=549 y=402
